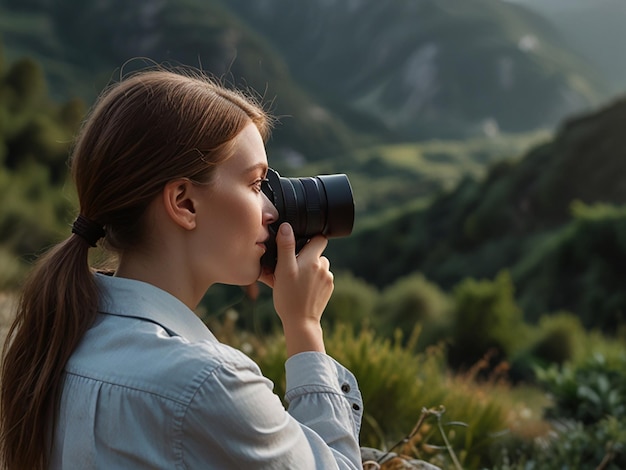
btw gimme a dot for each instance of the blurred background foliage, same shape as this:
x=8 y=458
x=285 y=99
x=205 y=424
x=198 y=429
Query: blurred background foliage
x=484 y=141
x=35 y=135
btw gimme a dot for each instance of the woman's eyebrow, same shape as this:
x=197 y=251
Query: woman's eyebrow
x=257 y=166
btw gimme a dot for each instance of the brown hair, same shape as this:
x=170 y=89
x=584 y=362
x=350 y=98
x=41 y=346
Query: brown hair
x=144 y=131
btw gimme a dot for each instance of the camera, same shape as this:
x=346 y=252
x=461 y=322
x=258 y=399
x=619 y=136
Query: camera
x=311 y=205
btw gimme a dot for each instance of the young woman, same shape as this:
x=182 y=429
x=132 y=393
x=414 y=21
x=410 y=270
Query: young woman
x=116 y=371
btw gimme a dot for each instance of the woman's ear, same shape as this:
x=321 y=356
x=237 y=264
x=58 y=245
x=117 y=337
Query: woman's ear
x=179 y=203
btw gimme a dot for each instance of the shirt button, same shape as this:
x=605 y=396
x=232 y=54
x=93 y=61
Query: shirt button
x=345 y=388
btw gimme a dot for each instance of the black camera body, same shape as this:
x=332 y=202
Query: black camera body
x=315 y=205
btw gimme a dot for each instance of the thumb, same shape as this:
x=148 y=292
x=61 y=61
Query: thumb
x=286 y=248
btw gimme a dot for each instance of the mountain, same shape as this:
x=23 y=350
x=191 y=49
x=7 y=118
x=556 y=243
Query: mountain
x=356 y=84
x=554 y=218
x=429 y=68
x=341 y=73
x=85 y=45
x=594 y=28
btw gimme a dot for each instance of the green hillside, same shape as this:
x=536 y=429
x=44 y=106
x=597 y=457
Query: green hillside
x=340 y=74
x=37 y=200
x=84 y=45
x=553 y=218
x=362 y=88
x=388 y=178
x=484 y=260
x=429 y=68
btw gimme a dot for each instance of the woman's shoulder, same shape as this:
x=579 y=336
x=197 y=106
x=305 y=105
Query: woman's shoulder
x=141 y=355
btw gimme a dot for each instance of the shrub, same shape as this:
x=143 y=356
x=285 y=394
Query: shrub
x=398 y=383
x=352 y=302
x=412 y=301
x=559 y=335
x=588 y=392
x=571 y=446
x=485 y=318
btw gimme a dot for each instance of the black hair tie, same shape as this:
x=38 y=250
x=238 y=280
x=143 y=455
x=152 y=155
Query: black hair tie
x=88 y=230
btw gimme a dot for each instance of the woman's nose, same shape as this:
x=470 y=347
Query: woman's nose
x=270 y=213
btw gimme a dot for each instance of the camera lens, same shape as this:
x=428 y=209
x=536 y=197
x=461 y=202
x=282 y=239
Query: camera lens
x=312 y=205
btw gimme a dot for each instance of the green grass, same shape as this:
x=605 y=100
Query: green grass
x=386 y=179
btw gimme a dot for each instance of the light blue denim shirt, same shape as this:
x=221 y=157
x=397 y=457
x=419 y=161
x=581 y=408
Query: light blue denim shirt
x=150 y=387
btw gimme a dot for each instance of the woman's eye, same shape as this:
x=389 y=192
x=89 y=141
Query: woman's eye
x=257 y=184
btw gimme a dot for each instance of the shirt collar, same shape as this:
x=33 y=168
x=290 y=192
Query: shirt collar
x=138 y=299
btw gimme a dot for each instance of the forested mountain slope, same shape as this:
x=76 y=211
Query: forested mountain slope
x=82 y=46
x=428 y=68
x=554 y=218
x=349 y=78
x=336 y=70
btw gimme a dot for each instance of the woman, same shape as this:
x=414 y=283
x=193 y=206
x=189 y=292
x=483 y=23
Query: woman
x=116 y=371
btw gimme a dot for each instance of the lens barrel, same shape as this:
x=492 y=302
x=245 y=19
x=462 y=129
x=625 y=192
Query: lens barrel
x=315 y=205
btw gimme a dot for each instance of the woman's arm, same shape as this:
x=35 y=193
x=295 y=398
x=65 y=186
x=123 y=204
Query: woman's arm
x=236 y=421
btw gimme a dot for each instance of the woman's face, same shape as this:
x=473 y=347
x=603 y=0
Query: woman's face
x=233 y=215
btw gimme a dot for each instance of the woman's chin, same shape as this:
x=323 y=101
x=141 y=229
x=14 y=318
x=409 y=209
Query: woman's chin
x=255 y=273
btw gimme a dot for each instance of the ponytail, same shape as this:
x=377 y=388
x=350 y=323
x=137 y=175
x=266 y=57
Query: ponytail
x=149 y=129
x=57 y=305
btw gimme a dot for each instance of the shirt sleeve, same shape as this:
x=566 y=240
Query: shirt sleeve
x=236 y=421
x=325 y=396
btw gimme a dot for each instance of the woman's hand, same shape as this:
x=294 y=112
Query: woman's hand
x=302 y=287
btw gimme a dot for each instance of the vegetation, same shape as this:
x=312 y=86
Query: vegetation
x=566 y=416
x=391 y=179
x=482 y=283
x=381 y=72
x=552 y=217
x=415 y=70
x=84 y=46
x=35 y=134
x=501 y=393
